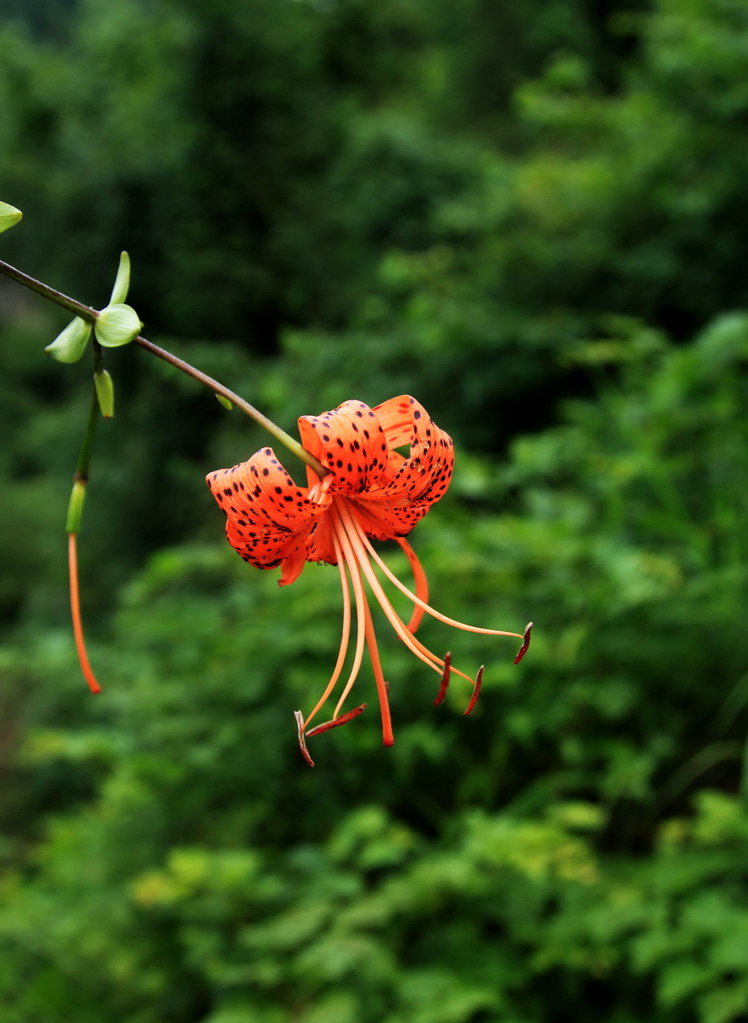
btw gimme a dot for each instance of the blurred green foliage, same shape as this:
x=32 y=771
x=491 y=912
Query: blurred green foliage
x=531 y=216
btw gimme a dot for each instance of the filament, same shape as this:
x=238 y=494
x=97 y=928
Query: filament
x=345 y=634
x=422 y=603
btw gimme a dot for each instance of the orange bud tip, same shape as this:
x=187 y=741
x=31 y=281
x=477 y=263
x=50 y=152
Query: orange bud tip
x=443 y=685
x=476 y=689
x=526 y=645
x=342 y=720
x=302 y=741
x=80 y=643
x=388 y=740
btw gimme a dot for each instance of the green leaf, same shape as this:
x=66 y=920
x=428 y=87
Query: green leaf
x=681 y=979
x=9 y=216
x=70 y=344
x=122 y=281
x=725 y=1004
x=117 y=325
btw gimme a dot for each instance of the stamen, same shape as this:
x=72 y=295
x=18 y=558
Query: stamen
x=345 y=635
x=476 y=690
x=302 y=741
x=343 y=719
x=422 y=603
x=360 y=598
x=317 y=493
x=526 y=645
x=414 y=645
x=443 y=685
x=388 y=737
x=75 y=610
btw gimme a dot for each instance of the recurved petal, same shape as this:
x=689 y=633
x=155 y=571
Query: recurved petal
x=396 y=417
x=350 y=441
x=268 y=515
x=425 y=473
x=385 y=520
x=319 y=542
x=291 y=567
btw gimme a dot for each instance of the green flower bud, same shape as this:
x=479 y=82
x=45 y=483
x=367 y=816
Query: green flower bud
x=104 y=392
x=122 y=281
x=70 y=344
x=117 y=325
x=9 y=216
x=225 y=402
x=75 y=507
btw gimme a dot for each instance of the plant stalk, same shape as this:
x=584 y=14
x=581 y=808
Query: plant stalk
x=89 y=315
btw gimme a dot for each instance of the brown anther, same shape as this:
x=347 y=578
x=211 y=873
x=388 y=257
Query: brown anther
x=526 y=645
x=476 y=689
x=302 y=741
x=343 y=719
x=443 y=685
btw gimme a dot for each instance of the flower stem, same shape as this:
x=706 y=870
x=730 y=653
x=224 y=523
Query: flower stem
x=84 y=311
x=72 y=527
x=272 y=428
x=89 y=315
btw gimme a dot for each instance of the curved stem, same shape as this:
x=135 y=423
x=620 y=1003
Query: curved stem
x=84 y=311
x=89 y=315
x=80 y=476
x=272 y=428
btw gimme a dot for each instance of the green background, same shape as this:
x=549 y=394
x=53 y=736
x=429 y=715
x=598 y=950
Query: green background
x=529 y=214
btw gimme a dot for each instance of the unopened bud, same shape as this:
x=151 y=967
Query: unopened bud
x=104 y=392
x=9 y=216
x=75 y=507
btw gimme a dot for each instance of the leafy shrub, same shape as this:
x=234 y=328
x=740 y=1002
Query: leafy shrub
x=574 y=849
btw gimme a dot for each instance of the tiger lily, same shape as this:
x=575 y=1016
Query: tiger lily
x=371 y=491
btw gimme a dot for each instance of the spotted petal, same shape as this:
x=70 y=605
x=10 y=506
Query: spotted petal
x=350 y=442
x=414 y=481
x=425 y=473
x=268 y=516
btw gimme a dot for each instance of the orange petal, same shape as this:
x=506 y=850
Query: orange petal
x=396 y=418
x=422 y=584
x=387 y=521
x=291 y=567
x=319 y=542
x=426 y=472
x=268 y=515
x=350 y=442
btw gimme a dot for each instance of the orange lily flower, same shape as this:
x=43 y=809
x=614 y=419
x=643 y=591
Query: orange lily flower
x=371 y=492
